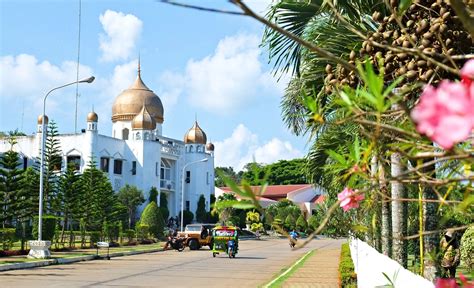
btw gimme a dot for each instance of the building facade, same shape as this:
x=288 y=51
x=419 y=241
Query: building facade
x=136 y=153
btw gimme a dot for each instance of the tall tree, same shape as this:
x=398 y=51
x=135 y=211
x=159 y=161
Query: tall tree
x=165 y=212
x=53 y=162
x=399 y=213
x=26 y=203
x=10 y=178
x=227 y=172
x=153 y=195
x=201 y=213
x=70 y=191
x=131 y=197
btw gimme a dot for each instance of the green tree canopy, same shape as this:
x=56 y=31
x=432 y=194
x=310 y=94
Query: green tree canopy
x=151 y=216
x=131 y=197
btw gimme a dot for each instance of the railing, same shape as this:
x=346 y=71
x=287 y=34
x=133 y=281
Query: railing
x=170 y=147
x=167 y=184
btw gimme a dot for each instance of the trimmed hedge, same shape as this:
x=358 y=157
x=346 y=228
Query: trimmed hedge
x=347 y=276
x=48 y=227
x=7 y=238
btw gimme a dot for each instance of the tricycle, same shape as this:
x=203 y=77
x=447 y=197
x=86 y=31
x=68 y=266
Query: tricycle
x=225 y=239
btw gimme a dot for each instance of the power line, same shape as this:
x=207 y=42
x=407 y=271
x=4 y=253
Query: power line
x=77 y=69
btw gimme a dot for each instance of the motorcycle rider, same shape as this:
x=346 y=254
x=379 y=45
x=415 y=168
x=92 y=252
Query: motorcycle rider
x=293 y=237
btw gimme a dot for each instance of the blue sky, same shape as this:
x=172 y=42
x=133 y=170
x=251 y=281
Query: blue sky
x=198 y=63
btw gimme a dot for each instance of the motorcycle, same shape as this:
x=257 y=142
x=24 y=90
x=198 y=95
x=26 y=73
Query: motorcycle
x=177 y=243
x=293 y=239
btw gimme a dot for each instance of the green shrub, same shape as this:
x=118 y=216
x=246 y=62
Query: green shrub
x=313 y=222
x=290 y=222
x=256 y=227
x=151 y=216
x=7 y=238
x=467 y=248
x=143 y=230
x=347 y=276
x=130 y=234
x=49 y=227
x=301 y=224
x=188 y=217
x=94 y=237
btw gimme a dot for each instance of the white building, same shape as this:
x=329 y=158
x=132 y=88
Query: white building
x=137 y=153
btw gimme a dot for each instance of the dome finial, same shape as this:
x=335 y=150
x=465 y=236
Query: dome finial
x=139 y=69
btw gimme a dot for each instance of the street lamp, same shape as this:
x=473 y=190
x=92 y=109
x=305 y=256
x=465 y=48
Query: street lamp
x=39 y=249
x=182 y=188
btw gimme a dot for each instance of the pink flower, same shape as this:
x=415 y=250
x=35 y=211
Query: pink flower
x=446 y=114
x=464 y=281
x=349 y=198
x=467 y=72
x=446 y=283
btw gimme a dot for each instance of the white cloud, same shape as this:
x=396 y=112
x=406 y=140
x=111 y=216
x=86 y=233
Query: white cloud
x=27 y=78
x=243 y=147
x=121 y=34
x=259 y=6
x=225 y=80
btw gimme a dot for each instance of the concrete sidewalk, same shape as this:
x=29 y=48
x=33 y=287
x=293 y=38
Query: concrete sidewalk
x=320 y=270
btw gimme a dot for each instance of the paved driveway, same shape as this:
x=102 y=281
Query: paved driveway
x=257 y=262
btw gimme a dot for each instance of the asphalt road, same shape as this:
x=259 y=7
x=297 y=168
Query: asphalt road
x=257 y=262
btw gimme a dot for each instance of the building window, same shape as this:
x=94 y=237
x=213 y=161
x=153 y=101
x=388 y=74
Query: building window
x=25 y=163
x=118 y=166
x=207 y=178
x=157 y=169
x=75 y=161
x=188 y=176
x=104 y=164
x=134 y=167
x=125 y=134
x=188 y=206
x=56 y=162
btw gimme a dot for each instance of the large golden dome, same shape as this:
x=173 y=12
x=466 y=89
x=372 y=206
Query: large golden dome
x=130 y=102
x=143 y=120
x=195 y=135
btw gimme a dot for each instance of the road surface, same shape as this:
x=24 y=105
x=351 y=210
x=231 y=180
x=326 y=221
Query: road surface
x=257 y=262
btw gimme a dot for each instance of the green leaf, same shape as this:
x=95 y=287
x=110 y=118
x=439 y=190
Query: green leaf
x=403 y=6
x=336 y=156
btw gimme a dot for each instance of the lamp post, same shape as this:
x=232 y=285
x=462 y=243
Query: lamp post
x=182 y=188
x=40 y=249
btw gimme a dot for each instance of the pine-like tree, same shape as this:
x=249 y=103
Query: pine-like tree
x=165 y=212
x=70 y=191
x=26 y=204
x=53 y=161
x=10 y=178
x=301 y=224
x=153 y=195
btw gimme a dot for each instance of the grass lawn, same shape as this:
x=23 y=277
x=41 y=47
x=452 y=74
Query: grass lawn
x=81 y=252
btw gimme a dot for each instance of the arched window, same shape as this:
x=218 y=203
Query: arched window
x=190 y=150
x=138 y=136
x=147 y=136
x=125 y=134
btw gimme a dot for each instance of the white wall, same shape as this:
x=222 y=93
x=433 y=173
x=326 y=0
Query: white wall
x=369 y=265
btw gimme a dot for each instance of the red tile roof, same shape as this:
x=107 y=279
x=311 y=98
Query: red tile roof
x=276 y=191
x=318 y=199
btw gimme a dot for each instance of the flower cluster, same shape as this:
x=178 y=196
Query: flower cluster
x=451 y=282
x=446 y=114
x=349 y=198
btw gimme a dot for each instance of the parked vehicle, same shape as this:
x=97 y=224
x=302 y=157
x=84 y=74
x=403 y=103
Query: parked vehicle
x=225 y=239
x=197 y=235
x=177 y=243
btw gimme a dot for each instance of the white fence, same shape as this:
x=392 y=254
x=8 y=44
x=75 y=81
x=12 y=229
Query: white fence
x=370 y=265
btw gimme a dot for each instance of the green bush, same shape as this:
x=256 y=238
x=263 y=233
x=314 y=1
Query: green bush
x=256 y=227
x=130 y=234
x=347 y=276
x=313 y=222
x=94 y=237
x=301 y=224
x=290 y=222
x=7 y=238
x=151 y=216
x=188 y=217
x=467 y=248
x=143 y=230
x=49 y=227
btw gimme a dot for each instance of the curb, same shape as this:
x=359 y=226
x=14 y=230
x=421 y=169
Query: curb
x=306 y=255
x=16 y=266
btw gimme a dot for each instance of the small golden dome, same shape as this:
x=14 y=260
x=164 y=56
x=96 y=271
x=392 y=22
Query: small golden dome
x=210 y=147
x=143 y=120
x=92 y=117
x=195 y=135
x=129 y=103
x=40 y=119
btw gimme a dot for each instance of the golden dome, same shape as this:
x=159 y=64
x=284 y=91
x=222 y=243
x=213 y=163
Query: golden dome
x=40 y=119
x=92 y=117
x=129 y=103
x=195 y=135
x=210 y=147
x=144 y=120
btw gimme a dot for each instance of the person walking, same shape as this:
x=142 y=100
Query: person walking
x=451 y=254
